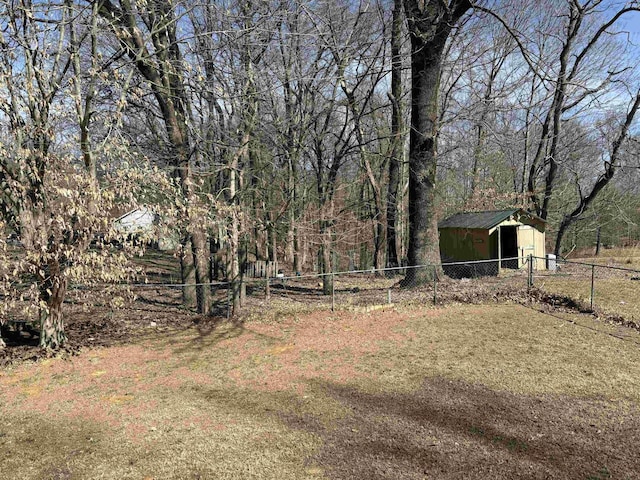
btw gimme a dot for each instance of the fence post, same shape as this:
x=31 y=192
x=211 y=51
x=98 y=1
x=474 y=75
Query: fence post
x=333 y=292
x=530 y=279
x=435 y=285
x=593 y=278
x=267 y=290
x=228 y=300
x=389 y=296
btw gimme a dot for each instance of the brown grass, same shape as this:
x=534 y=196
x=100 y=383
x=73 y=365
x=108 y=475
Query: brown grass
x=460 y=392
x=613 y=296
x=621 y=256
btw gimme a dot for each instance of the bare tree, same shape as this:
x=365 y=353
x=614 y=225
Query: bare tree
x=148 y=35
x=28 y=163
x=397 y=138
x=579 y=68
x=364 y=55
x=295 y=125
x=430 y=24
x=585 y=199
x=48 y=197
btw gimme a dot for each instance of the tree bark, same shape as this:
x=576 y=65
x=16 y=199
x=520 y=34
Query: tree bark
x=214 y=258
x=233 y=264
x=326 y=267
x=188 y=274
x=201 y=262
x=430 y=24
x=52 y=291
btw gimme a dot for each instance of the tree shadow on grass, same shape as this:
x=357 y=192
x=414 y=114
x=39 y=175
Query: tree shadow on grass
x=454 y=430
x=211 y=331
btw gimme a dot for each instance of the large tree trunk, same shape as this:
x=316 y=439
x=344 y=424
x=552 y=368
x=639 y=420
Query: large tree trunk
x=293 y=245
x=430 y=24
x=187 y=273
x=52 y=284
x=233 y=262
x=195 y=260
x=201 y=261
x=214 y=258
x=195 y=249
x=52 y=292
x=273 y=244
x=378 y=245
x=423 y=227
x=293 y=235
x=326 y=267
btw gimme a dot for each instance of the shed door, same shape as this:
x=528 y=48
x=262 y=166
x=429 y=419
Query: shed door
x=526 y=242
x=509 y=246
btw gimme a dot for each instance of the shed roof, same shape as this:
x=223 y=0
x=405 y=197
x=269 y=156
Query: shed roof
x=138 y=212
x=482 y=220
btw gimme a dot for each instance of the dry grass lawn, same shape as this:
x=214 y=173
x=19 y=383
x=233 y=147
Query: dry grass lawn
x=615 y=291
x=496 y=391
x=623 y=256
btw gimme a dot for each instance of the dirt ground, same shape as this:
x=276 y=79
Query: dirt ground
x=97 y=324
x=458 y=392
x=455 y=430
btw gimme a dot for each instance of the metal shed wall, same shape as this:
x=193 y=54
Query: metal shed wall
x=476 y=236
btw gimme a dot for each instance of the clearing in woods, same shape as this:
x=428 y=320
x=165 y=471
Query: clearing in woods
x=474 y=392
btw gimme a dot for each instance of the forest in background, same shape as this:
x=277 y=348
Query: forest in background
x=324 y=135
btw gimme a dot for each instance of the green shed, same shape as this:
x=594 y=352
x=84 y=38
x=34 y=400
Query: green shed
x=507 y=236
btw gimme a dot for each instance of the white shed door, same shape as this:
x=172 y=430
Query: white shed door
x=526 y=242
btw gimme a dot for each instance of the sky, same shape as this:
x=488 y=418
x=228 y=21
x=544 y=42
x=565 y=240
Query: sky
x=632 y=23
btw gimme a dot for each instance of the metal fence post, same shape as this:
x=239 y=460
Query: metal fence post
x=530 y=279
x=593 y=278
x=389 y=296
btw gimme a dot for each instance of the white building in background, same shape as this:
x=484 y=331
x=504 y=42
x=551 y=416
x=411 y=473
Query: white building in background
x=144 y=222
x=139 y=221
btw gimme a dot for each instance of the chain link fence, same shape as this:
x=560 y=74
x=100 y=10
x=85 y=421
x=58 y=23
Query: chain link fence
x=358 y=290
x=426 y=284
x=605 y=288
x=612 y=289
